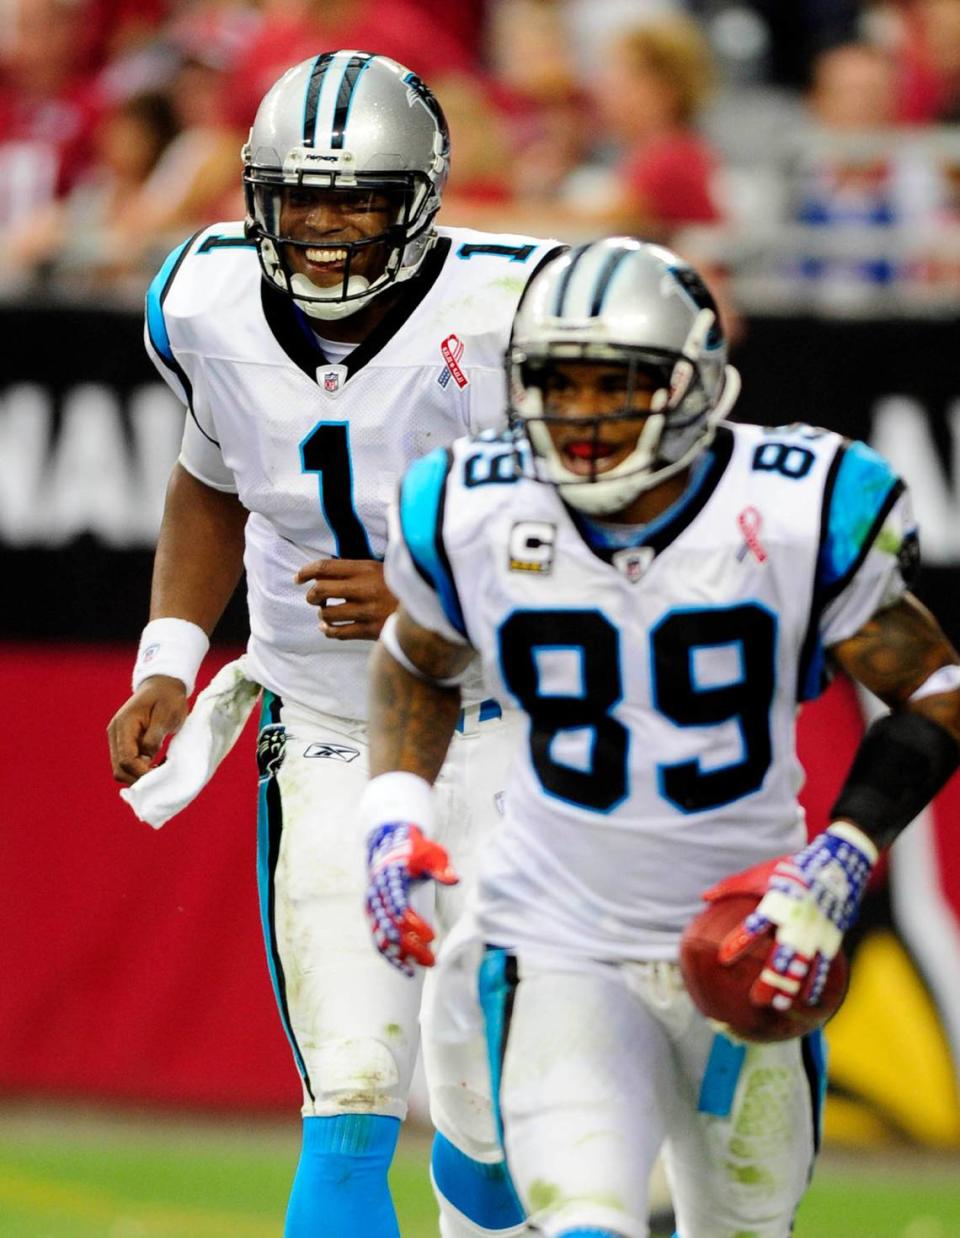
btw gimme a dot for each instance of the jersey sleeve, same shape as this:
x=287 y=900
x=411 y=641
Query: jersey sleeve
x=487 y=409
x=417 y=568
x=869 y=550
x=201 y=456
x=200 y=452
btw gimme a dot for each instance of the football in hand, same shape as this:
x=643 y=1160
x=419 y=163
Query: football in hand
x=723 y=992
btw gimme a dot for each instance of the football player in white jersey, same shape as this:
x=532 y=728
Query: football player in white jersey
x=320 y=347
x=657 y=589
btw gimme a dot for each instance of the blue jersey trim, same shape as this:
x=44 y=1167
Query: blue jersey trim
x=156 y=325
x=422 y=496
x=859 y=493
x=606 y=535
x=861 y=488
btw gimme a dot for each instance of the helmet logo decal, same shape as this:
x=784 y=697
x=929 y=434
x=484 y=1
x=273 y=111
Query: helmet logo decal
x=749 y=522
x=452 y=350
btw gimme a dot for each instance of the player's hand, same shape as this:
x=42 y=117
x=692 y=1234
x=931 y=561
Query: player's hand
x=811 y=899
x=137 y=730
x=399 y=856
x=352 y=595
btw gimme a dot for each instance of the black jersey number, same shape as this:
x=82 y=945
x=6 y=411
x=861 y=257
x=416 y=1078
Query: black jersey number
x=594 y=641
x=326 y=452
x=676 y=691
x=515 y=253
x=748 y=633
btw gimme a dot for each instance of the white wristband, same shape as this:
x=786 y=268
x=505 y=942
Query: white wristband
x=397 y=796
x=390 y=640
x=856 y=837
x=946 y=679
x=174 y=647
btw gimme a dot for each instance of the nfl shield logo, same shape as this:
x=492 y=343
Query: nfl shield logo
x=331 y=380
x=633 y=561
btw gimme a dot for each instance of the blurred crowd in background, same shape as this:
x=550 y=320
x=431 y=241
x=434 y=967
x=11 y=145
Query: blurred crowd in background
x=806 y=151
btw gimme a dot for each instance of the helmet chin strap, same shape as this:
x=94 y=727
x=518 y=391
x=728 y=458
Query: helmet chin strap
x=326 y=303
x=607 y=495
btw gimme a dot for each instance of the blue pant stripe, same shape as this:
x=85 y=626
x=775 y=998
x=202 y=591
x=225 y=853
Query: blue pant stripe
x=483 y=1192
x=269 y=828
x=496 y=996
x=719 y=1083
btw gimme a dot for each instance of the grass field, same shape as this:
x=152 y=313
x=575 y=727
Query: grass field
x=85 y=1175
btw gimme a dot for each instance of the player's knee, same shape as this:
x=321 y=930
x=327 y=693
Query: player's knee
x=359 y=1074
x=482 y=1193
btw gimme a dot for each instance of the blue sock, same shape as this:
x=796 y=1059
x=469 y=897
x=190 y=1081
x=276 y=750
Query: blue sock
x=340 y=1189
x=589 y=1233
x=482 y=1192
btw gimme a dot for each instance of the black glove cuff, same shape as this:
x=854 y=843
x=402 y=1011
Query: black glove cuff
x=902 y=762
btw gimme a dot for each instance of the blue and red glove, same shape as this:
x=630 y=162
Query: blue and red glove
x=811 y=899
x=400 y=856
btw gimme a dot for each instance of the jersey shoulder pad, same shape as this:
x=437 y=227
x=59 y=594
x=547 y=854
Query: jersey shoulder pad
x=421 y=508
x=211 y=270
x=491 y=269
x=860 y=493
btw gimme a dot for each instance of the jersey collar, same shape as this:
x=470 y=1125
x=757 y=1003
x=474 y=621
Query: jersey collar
x=665 y=529
x=292 y=330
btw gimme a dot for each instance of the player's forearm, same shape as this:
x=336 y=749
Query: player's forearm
x=411 y=720
x=199 y=557
x=905 y=758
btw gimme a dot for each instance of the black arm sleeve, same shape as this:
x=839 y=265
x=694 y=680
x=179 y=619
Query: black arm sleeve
x=902 y=762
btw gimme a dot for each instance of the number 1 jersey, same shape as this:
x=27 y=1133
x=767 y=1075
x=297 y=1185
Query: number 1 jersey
x=661 y=679
x=315 y=450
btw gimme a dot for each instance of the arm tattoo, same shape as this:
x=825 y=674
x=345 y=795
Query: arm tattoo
x=411 y=720
x=895 y=652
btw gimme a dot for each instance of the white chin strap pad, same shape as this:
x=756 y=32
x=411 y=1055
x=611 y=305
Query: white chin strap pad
x=326 y=302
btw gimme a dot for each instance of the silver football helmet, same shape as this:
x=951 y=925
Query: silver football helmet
x=347 y=121
x=626 y=302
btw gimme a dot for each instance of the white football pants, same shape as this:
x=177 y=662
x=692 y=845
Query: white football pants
x=601 y=1067
x=351 y=1018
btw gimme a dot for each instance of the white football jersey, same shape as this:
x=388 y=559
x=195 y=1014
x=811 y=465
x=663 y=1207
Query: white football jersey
x=661 y=681
x=315 y=450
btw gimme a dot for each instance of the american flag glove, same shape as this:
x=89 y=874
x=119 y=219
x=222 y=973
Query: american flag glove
x=812 y=898
x=398 y=857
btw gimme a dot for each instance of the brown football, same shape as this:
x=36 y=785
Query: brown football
x=723 y=992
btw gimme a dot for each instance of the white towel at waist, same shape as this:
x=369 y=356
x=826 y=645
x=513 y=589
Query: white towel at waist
x=218 y=716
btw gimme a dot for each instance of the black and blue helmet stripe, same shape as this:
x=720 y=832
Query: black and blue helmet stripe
x=312 y=100
x=348 y=83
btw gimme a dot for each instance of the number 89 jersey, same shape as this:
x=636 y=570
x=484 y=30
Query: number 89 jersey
x=660 y=680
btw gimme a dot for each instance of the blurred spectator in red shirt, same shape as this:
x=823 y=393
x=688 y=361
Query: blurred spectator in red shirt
x=48 y=108
x=80 y=243
x=114 y=28
x=655 y=80
x=929 y=57
x=547 y=111
x=293 y=30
